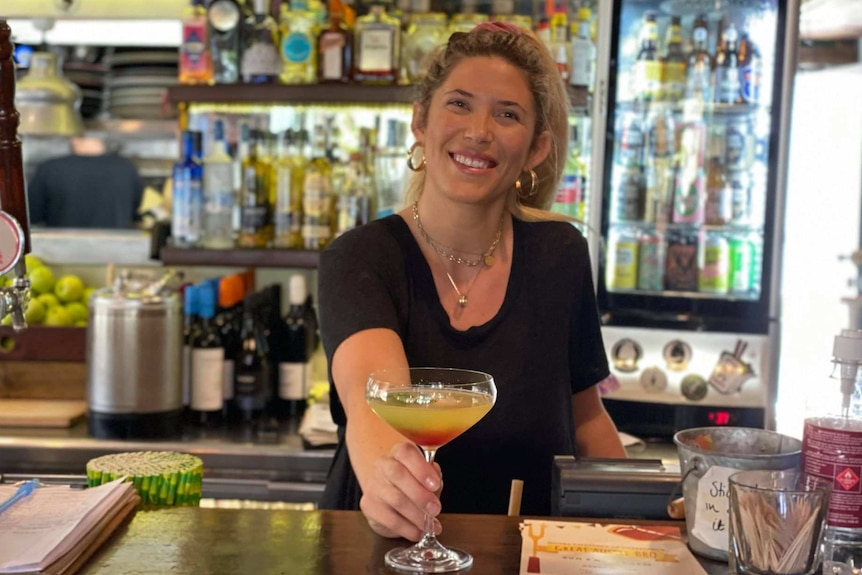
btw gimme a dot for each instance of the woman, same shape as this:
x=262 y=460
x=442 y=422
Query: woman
x=471 y=274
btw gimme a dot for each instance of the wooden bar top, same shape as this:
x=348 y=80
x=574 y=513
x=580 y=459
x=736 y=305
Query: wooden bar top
x=186 y=541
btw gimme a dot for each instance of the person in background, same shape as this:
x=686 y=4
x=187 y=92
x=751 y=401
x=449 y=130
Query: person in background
x=89 y=188
x=474 y=273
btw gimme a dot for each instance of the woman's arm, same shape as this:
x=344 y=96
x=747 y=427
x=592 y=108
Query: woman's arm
x=595 y=433
x=398 y=485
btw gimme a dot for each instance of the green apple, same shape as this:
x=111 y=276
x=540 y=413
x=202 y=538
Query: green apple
x=48 y=300
x=69 y=288
x=88 y=294
x=41 y=280
x=82 y=323
x=6 y=320
x=35 y=312
x=58 y=316
x=77 y=311
x=32 y=262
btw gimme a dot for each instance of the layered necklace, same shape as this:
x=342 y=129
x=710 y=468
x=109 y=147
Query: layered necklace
x=486 y=259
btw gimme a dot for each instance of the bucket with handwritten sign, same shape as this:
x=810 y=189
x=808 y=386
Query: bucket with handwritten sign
x=708 y=456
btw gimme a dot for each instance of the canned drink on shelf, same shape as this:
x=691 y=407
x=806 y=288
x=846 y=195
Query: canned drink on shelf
x=741 y=276
x=738 y=143
x=650 y=261
x=714 y=264
x=622 y=260
x=681 y=260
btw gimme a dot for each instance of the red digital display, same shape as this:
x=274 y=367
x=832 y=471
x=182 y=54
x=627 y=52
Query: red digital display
x=719 y=417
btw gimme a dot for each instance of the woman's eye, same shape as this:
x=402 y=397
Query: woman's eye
x=510 y=115
x=458 y=103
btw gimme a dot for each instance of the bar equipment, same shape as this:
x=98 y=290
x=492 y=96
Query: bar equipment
x=14 y=219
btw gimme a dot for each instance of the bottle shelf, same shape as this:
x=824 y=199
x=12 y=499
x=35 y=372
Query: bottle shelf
x=314 y=94
x=257 y=258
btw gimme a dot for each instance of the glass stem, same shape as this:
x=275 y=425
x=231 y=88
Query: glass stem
x=429 y=537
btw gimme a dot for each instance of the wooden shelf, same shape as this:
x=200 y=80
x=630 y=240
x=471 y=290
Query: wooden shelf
x=283 y=94
x=257 y=258
x=313 y=94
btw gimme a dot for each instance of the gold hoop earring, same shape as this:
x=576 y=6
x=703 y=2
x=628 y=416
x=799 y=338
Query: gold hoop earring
x=414 y=168
x=533 y=186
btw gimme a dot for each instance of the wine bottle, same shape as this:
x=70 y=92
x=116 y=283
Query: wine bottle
x=228 y=322
x=207 y=359
x=294 y=364
x=252 y=367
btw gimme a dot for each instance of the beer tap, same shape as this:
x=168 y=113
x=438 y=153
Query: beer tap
x=14 y=220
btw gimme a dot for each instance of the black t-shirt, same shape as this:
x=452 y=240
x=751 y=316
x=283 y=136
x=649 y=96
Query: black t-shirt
x=85 y=192
x=542 y=346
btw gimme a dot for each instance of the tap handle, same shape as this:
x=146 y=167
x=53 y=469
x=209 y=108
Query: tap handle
x=13 y=195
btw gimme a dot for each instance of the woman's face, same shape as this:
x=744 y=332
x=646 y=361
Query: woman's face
x=480 y=131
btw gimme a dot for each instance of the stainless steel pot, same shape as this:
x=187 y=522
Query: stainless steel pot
x=134 y=364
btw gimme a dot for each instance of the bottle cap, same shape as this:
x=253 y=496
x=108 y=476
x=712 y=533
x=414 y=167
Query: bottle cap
x=298 y=290
x=231 y=290
x=206 y=300
x=190 y=300
x=848 y=345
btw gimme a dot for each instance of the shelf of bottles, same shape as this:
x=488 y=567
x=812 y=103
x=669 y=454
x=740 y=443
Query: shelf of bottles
x=686 y=198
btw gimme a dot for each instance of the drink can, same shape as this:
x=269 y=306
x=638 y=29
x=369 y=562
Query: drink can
x=738 y=143
x=741 y=278
x=629 y=195
x=714 y=264
x=650 y=262
x=681 y=260
x=622 y=267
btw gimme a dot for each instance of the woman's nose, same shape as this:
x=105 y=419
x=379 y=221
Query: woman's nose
x=479 y=128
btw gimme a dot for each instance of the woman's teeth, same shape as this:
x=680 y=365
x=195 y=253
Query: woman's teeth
x=471 y=162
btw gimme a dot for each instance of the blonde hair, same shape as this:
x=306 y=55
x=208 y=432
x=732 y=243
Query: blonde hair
x=525 y=51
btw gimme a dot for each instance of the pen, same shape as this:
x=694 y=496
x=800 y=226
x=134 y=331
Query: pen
x=23 y=491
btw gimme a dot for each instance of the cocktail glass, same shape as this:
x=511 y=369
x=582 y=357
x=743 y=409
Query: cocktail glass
x=430 y=407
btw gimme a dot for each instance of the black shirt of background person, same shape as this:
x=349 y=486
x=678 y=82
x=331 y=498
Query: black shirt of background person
x=81 y=191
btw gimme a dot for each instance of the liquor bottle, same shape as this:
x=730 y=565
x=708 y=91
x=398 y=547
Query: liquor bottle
x=287 y=218
x=231 y=291
x=316 y=190
x=190 y=326
x=719 y=195
x=378 y=46
x=255 y=224
x=560 y=44
x=260 y=60
x=699 y=70
x=187 y=177
x=207 y=361
x=225 y=26
x=831 y=440
x=583 y=52
x=195 y=58
x=750 y=69
x=298 y=44
x=334 y=51
x=294 y=360
x=726 y=85
x=570 y=195
x=673 y=63
x=219 y=193
x=252 y=365
x=648 y=66
x=658 y=164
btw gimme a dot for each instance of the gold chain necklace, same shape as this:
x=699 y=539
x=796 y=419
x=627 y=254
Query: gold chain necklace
x=486 y=258
x=462 y=297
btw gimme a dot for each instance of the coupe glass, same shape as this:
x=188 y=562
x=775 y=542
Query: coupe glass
x=430 y=406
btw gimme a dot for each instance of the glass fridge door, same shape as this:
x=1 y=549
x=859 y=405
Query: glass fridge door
x=690 y=146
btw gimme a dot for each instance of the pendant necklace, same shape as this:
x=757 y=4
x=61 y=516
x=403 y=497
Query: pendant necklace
x=462 y=297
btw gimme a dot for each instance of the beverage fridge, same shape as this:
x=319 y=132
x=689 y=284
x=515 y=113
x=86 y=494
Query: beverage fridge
x=690 y=135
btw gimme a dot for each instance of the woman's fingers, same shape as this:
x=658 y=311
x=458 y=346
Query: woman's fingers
x=402 y=495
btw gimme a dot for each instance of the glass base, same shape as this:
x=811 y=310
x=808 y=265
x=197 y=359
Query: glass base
x=842 y=552
x=429 y=558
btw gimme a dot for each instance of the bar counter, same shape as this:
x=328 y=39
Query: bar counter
x=186 y=541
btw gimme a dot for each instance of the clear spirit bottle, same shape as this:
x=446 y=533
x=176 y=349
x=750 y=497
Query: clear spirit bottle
x=260 y=61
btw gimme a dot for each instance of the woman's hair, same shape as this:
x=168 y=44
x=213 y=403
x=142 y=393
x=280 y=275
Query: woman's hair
x=522 y=49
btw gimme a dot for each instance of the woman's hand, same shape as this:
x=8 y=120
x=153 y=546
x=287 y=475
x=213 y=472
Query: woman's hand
x=402 y=489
